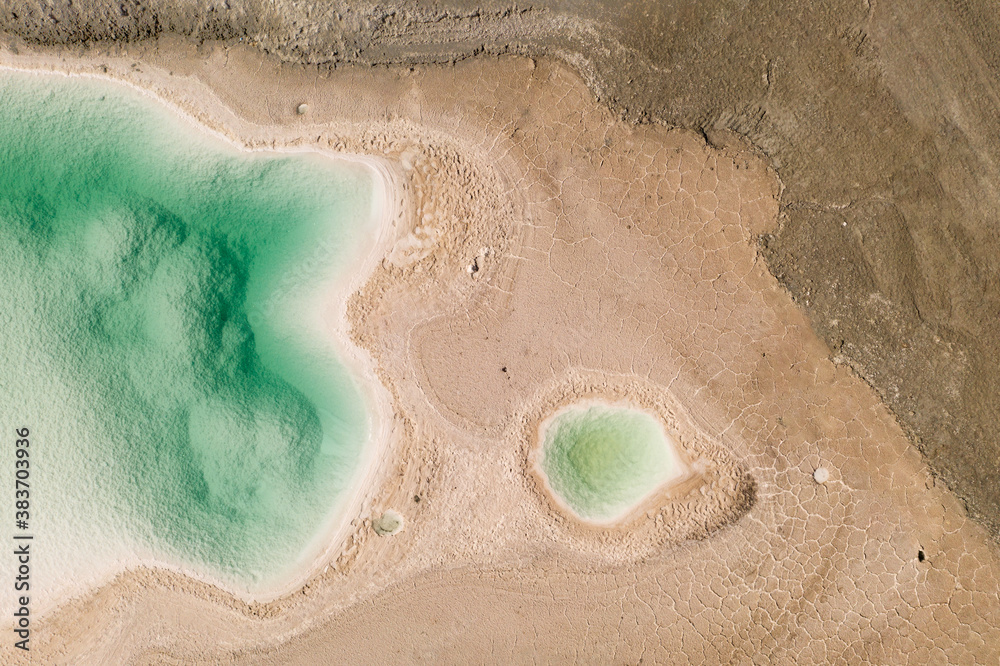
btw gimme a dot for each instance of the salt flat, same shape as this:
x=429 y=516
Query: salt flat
x=612 y=261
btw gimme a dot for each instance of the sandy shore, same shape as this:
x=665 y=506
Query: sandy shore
x=557 y=253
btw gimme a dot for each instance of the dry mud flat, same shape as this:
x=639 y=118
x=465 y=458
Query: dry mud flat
x=555 y=252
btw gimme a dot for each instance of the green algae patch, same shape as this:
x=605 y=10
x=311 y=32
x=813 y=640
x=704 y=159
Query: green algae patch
x=162 y=333
x=603 y=460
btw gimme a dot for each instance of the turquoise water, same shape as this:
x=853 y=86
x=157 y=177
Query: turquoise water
x=602 y=460
x=156 y=285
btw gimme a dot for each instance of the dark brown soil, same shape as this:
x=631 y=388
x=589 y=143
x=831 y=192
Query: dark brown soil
x=881 y=118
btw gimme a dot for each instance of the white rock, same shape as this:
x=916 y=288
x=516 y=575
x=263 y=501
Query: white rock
x=388 y=524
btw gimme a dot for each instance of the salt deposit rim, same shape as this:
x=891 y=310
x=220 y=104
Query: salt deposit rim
x=373 y=462
x=676 y=485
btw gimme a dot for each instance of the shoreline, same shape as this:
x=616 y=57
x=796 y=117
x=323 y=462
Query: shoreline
x=387 y=212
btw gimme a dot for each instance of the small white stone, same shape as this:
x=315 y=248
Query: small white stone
x=388 y=524
x=302 y=109
x=821 y=475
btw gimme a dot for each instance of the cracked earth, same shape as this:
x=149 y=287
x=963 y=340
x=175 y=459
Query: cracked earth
x=610 y=260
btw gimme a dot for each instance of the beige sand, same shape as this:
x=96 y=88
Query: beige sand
x=614 y=262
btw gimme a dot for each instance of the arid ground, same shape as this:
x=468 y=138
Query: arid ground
x=774 y=223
